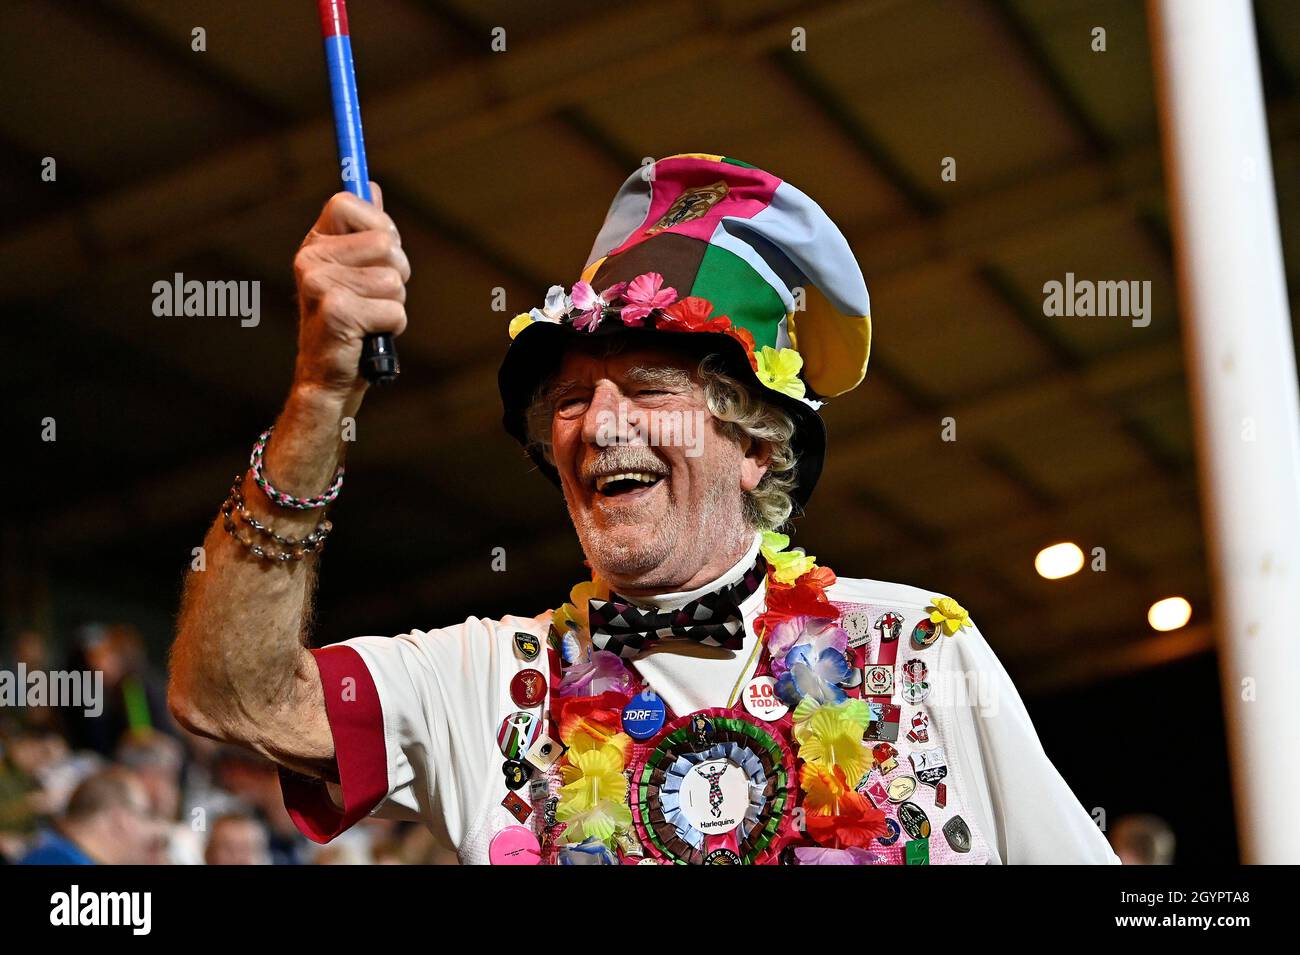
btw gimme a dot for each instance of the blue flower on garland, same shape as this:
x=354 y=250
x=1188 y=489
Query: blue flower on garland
x=591 y=851
x=816 y=677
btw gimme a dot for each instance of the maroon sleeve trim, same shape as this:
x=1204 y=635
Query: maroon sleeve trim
x=357 y=724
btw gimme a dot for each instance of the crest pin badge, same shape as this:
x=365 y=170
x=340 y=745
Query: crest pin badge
x=915 y=681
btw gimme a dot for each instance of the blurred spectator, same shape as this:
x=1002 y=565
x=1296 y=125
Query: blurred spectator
x=420 y=847
x=37 y=776
x=135 y=695
x=256 y=782
x=370 y=842
x=31 y=651
x=202 y=794
x=386 y=852
x=1142 y=840
x=129 y=786
x=20 y=795
x=108 y=821
x=158 y=760
x=237 y=840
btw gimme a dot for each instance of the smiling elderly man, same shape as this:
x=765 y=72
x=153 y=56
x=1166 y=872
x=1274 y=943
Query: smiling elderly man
x=711 y=695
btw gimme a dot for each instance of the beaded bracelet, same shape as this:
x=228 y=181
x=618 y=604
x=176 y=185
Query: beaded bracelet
x=279 y=497
x=288 y=548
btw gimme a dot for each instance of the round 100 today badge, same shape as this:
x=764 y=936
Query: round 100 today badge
x=760 y=699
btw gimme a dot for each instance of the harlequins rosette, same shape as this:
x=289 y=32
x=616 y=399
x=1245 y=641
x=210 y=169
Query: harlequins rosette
x=704 y=244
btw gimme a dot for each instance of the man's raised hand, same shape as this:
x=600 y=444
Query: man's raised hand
x=351 y=275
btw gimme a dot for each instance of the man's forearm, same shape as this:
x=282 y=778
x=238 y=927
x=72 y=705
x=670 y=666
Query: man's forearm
x=239 y=668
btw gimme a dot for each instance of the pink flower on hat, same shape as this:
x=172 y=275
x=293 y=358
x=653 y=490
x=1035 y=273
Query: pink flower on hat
x=644 y=294
x=591 y=307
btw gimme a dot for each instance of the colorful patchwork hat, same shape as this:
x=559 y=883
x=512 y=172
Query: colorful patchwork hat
x=700 y=244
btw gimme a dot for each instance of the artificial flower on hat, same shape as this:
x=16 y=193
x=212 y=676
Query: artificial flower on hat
x=949 y=613
x=519 y=323
x=694 y=314
x=822 y=786
x=590 y=307
x=555 y=307
x=688 y=314
x=553 y=310
x=746 y=339
x=779 y=368
x=643 y=295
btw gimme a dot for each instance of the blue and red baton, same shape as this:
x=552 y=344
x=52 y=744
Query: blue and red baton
x=378 y=354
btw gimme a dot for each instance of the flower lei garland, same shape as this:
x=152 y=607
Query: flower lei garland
x=807 y=650
x=644 y=299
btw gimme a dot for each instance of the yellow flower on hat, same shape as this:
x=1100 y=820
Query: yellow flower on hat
x=519 y=323
x=778 y=369
x=593 y=799
x=952 y=615
x=787 y=565
x=832 y=737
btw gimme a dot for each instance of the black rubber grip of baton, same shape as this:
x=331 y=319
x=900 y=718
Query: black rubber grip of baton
x=379 y=359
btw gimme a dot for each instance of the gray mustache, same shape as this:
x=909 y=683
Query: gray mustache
x=622 y=458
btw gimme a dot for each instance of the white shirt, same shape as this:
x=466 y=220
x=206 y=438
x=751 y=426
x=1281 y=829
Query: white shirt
x=415 y=721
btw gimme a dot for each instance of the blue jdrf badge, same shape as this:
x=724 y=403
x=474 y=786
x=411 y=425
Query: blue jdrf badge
x=644 y=715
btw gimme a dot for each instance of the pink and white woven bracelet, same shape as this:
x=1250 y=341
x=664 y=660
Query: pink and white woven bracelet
x=279 y=497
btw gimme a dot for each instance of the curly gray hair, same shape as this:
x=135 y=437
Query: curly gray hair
x=741 y=414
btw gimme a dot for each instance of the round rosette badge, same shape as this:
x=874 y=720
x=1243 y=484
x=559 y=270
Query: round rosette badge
x=715 y=787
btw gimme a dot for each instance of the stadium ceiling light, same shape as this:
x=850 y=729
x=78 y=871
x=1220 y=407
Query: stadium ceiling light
x=1059 y=560
x=1169 y=614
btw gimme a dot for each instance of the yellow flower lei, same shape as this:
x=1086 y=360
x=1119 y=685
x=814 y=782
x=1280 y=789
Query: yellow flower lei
x=787 y=565
x=593 y=799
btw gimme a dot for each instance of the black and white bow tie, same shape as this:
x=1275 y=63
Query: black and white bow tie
x=713 y=619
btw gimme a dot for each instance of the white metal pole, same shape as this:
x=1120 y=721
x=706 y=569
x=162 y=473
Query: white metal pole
x=1242 y=371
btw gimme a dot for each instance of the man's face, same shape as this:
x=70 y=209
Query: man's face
x=654 y=488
